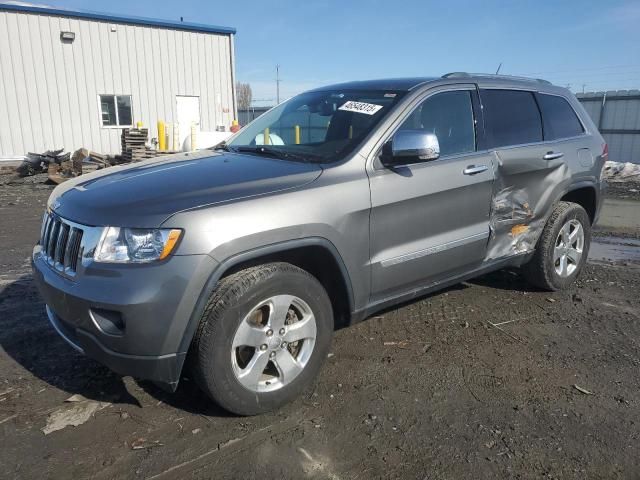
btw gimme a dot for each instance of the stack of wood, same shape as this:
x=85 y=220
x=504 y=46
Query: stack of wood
x=134 y=148
x=133 y=145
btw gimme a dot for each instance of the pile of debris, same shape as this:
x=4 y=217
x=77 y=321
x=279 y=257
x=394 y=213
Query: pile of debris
x=81 y=161
x=39 y=162
x=62 y=166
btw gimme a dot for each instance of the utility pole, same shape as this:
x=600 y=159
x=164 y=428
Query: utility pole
x=277 y=84
x=499 y=67
x=583 y=85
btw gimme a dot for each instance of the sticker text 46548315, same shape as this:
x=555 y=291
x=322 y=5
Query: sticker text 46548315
x=360 y=107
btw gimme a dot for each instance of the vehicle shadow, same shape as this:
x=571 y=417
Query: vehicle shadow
x=27 y=337
x=188 y=397
x=419 y=298
x=29 y=340
x=509 y=279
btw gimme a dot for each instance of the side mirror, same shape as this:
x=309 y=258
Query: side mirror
x=412 y=146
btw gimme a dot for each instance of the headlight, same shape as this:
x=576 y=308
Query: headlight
x=135 y=245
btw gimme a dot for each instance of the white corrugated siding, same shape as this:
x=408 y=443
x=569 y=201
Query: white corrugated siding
x=49 y=89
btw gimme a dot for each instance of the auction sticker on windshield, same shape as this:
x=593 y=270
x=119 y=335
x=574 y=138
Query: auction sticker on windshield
x=360 y=107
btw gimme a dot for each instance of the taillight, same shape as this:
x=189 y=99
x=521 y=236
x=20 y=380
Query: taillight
x=605 y=151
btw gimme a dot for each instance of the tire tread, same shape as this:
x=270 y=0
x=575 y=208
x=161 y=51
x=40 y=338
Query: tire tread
x=537 y=271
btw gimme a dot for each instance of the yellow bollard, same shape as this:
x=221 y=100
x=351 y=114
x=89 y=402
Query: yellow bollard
x=267 y=139
x=162 y=137
x=297 y=129
x=139 y=124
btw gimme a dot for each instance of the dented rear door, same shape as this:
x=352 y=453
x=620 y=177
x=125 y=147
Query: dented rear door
x=530 y=173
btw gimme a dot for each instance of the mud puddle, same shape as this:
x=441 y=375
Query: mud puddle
x=605 y=250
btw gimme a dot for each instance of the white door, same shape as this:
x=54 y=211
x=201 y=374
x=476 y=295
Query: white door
x=188 y=110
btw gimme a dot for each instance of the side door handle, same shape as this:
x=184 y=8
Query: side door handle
x=553 y=155
x=475 y=169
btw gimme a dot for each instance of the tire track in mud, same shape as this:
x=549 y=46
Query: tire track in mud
x=232 y=447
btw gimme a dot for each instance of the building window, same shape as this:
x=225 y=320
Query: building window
x=115 y=110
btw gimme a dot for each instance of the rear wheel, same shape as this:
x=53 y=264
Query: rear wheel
x=562 y=249
x=263 y=338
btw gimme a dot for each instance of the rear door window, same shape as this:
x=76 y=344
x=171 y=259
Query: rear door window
x=448 y=115
x=511 y=117
x=559 y=118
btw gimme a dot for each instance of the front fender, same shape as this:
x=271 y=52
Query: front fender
x=255 y=253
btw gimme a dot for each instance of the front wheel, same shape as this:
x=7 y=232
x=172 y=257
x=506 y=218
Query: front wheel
x=562 y=249
x=262 y=338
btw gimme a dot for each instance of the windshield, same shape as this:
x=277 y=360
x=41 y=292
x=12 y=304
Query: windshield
x=319 y=126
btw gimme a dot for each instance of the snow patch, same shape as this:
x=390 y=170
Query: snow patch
x=621 y=172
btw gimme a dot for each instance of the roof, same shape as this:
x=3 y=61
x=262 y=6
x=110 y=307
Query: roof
x=105 y=17
x=410 y=83
x=380 y=84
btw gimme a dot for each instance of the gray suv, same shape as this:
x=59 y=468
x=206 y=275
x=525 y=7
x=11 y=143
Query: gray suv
x=238 y=263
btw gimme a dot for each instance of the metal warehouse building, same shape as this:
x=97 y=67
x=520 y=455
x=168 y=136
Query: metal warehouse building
x=74 y=79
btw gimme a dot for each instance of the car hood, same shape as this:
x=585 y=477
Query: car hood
x=145 y=194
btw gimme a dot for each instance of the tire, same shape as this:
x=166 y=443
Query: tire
x=244 y=307
x=543 y=269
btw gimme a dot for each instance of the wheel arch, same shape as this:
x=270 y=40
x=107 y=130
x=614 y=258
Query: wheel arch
x=317 y=255
x=584 y=194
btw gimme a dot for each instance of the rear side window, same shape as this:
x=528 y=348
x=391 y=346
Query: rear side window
x=511 y=117
x=560 y=120
x=449 y=115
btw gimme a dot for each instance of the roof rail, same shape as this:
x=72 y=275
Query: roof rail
x=455 y=75
x=491 y=75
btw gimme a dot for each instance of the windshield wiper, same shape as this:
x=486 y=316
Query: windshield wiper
x=223 y=146
x=261 y=150
x=273 y=152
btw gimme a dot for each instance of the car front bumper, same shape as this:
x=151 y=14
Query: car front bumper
x=152 y=305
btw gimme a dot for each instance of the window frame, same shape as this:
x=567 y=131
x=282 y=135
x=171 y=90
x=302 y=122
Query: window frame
x=488 y=133
x=415 y=103
x=115 y=100
x=584 y=127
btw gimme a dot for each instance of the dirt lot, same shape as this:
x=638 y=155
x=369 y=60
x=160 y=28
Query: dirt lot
x=487 y=379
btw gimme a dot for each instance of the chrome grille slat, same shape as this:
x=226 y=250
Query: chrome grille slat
x=73 y=233
x=53 y=237
x=61 y=243
x=43 y=229
x=47 y=232
x=75 y=252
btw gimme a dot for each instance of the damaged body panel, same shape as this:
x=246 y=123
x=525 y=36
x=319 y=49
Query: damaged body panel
x=525 y=188
x=530 y=179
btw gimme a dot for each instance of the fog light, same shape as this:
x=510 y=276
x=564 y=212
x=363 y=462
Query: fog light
x=108 y=321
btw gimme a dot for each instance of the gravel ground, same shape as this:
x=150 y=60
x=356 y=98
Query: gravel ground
x=489 y=379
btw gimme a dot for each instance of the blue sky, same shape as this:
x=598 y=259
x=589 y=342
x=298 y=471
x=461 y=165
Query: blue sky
x=596 y=43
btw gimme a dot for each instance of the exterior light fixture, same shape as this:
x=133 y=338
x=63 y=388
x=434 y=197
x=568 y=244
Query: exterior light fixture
x=67 y=37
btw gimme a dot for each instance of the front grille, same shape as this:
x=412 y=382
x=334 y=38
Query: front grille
x=60 y=243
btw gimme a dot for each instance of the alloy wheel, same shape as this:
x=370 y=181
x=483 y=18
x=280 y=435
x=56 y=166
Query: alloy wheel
x=273 y=343
x=568 y=248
